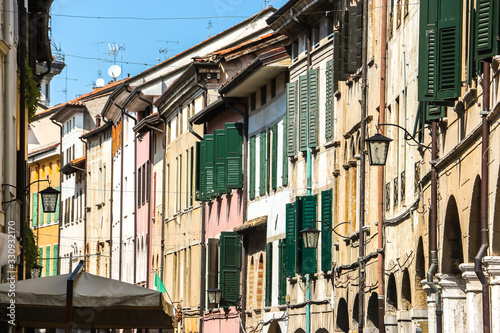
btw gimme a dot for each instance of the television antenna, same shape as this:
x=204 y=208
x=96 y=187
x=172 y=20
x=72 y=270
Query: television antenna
x=166 y=49
x=208 y=28
x=115 y=50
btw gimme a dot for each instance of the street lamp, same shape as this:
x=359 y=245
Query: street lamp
x=49 y=199
x=36 y=271
x=310 y=237
x=214 y=295
x=378 y=146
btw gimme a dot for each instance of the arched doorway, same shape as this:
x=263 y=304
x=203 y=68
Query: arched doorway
x=406 y=291
x=392 y=295
x=420 y=294
x=274 y=327
x=452 y=244
x=475 y=221
x=342 y=316
x=372 y=315
x=322 y=330
x=355 y=312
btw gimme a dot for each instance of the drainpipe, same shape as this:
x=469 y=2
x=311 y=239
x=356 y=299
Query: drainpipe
x=85 y=210
x=433 y=231
x=484 y=198
x=60 y=200
x=309 y=188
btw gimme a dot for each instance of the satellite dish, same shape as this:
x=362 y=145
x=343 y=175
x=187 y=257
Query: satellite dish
x=114 y=71
x=100 y=82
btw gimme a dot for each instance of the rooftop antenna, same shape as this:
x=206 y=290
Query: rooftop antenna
x=166 y=49
x=208 y=28
x=114 y=50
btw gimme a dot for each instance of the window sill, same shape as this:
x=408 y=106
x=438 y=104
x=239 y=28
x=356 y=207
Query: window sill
x=282 y=307
x=333 y=143
x=267 y=309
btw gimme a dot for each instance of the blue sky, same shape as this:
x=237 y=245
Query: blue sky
x=142 y=38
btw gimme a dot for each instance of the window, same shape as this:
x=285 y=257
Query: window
x=213 y=264
x=47 y=260
x=252 y=101
x=326 y=232
x=387 y=196
x=34 y=209
x=262 y=163
x=295 y=51
x=395 y=192
x=403 y=186
x=399 y=10
x=282 y=272
x=139 y=187
x=251 y=185
x=230 y=266
x=269 y=274
x=308 y=106
x=55 y=261
x=273 y=88
x=263 y=95
x=315 y=37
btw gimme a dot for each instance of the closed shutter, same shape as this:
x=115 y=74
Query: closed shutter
x=313 y=105
x=268 y=159
x=471 y=62
x=40 y=257
x=269 y=273
x=209 y=165
x=55 y=262
x=291 y=115
x=282 y=272
x=47 y=260
x=329 y=101
x=34 y=213
x=355 y=44
x=427 y=51
x=251 y=186
x=487 y=29
x=291 y=235
x=284 y=174
x=220 y=143
x=56 y=217
x=230 y=264
x=303 y=105
x=263 y=163
x=326 y=232
x=309 y=207
x=234 y=135
x=274 y=157
x=338 y=73
x=42 y=213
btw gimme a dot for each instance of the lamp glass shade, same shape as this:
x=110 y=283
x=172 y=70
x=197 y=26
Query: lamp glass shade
x=378 y=147
x=214 y=295
x=36 y=271
x=49 y=199
x=310 y=237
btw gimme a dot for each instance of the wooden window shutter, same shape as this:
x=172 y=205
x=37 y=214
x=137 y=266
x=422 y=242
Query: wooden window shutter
x=209 y=165
x=269 y=274
x=220 y=143
x=291 y=115
x=34 y=214
x=56 y=259
x=326 y=232
x=329 y=101
x=291 y=238
x=47 y=261
x=282 y=272
x=263 y=163
x=471 y=62
x=251 y=185
x=284 y=174
x=355 y=34
x=419 y=122
x=234 y=136
x=230 y=265
x=427 y=51
x=274 y=158
x=309 y=207
x=303 y=105
x=313 y=105
x=42 y=213
x=487 y=30
x=40 y=256
x=338 y=73
x=434 y=112
x=268 y=159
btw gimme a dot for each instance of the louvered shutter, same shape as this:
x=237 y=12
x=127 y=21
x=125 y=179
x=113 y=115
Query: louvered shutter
x=471 y=62
x=230 y=265
x=291 y=235
x=313 y=105
x=309 y=207
x=203 y=171
x=338 y=72
x=326 y=232
x=291 y=114
x=251 y=186
x=269 y=275
x=274 y=157
x=282 y=272
x=40 y=257
x=268 y=159
x=355 y=32
x=42 y=213
x=220 y=143
x=487 y=31
x=209 y=165
x=56 y=259
x=303 y=105
x=34 y=213
x=427 y=51
x=57 y=205
x=434 y=112
x=47 y=260
x=263 y=163
x=329 y=101
x=234 y=135
x=284 y=174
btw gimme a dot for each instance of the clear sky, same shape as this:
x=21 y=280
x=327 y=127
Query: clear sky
x=83 y=30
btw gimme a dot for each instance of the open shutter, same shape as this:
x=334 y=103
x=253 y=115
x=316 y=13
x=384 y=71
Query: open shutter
x=234 y=136
x=313 y=99
x=269 y=274
x=34 y=213
x=303 y=105
x=251 y=186
x=47 y=260
x=291 y=237
x=57 y=205
x=326 y=232
x=291 y=114
x=202 y=194
x=419 y=122
x=471 y=62
x=338 y=73
x=263 y=163
x=284 y=174
x=274 y=157
x=42 y=213
x=329 y=101
x=427 y=51
x=309 y=207
x=434 y=112
x=56 y=259
x=230 y=264
x=355 y=32
x=487 y=30
x=209 y=165
x=282 y=272
x=220 y=143
x=40 y=256
x=199 y=171
x=268 y=159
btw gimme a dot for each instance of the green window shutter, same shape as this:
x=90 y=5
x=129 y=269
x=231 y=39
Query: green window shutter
x=282 y=272
x=303 y=105
x=355 y=31
x=487 y=30
x=427 y=51
x=291 y=116
x=434 y=112
x=220 y=144
x=274 y=158
x=449 y=49
x=42 y=213
x=269 y=273
x=34 y=214
x=40 y=256
x=56 y=259
x=313 y=105
x=309 y=208
x=291 y=238
x=56 y=217
x=329 y=101
x=263 y=163
x=234 y=135
x=419 y=122
x=47 y=261
x=326 y=232
x=209 y=165
x=230 y=265
x=471 y=62
x=284 y=175
x=251 y=186
x=268 y=159
x=338 y=74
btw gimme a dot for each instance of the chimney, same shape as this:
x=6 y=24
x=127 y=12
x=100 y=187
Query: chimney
x=97 y=120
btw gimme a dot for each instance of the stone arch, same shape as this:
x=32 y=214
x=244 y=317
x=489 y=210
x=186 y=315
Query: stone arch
x=420 y=294
x=299 y=330
x=495 y=245
x=406 y=291
x=274 y=327
x=355 y=312
x=475 y=220
x=322 y=330
x=392 y=294
x=352 y=148
x=260 y=281
x=452 y=255
x=251 y=279
x=372 y=314
x=342 y=316
x=358 y=142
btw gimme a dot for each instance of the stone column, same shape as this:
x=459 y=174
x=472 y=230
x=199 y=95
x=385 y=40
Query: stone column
x=404 y=321
x=493 y=268
x=454 y=303
x=474 y=298
x=391 y=323
x=431 y=308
